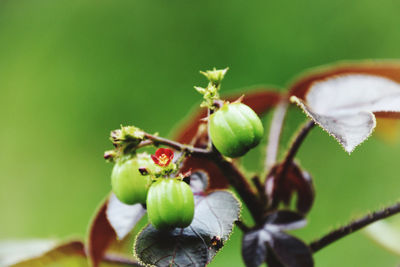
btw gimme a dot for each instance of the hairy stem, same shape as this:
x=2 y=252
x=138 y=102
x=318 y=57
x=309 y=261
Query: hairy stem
x=354 y=226
x=241 y=185
x=288 y=161
x=296 y=144
x=275 y=134
x=261 y=191
x=175 y=145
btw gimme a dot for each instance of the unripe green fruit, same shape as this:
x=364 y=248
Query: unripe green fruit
x=128 y=184
x=170 y=204
x=235 y=129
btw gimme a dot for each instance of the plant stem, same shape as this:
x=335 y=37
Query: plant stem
x=296 y=144
x=242 y=226
x=288 y=161
x=275 y=134
x=354 y=226
x=261 y=191
x=144 y=143
x=241 y=185
x=175 y=145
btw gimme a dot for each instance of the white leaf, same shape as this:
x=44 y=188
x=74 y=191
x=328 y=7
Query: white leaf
x=344 y=105
x=14 y=251
x=385 y=235
x=123 y=217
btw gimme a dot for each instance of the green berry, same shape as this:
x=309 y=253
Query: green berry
x=128 y=184
x=235 y=129
x=170 y=204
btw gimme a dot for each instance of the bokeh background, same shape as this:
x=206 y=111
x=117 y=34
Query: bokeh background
x=70 y=71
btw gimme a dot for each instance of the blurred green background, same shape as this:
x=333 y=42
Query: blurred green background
x=70 y=71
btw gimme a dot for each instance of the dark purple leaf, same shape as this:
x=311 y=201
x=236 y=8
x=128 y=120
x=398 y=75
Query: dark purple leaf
x=254 y=248
x=288 y=251
x=282 y=189
x=286 y=220
x=197 y=244
x=269 y=244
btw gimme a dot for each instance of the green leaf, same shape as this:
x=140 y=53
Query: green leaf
x=197 y=244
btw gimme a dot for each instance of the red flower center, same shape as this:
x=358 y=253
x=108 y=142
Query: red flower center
x=163 y=157
x=163 y=160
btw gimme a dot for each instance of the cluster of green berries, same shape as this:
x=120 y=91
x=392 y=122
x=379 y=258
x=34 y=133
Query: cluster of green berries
x=234 y=129
x=169 y=201
x=141 y=178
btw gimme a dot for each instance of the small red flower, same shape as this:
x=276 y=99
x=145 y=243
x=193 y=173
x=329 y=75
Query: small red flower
x=163 y=157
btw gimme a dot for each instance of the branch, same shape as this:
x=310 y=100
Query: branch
x=260 y=190
x=242 y=226
x=296 y=144
x=175 y=145
x=275 y=135
x=241 y=185
x=354 y=226
x=287 y=162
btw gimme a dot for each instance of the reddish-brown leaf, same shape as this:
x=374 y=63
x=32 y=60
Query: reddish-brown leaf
x=388 y=129
x=101 y=235
x=260 y=101
x=218 y=181
x=387 y=69
x=282 y=188
x=346 y=105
